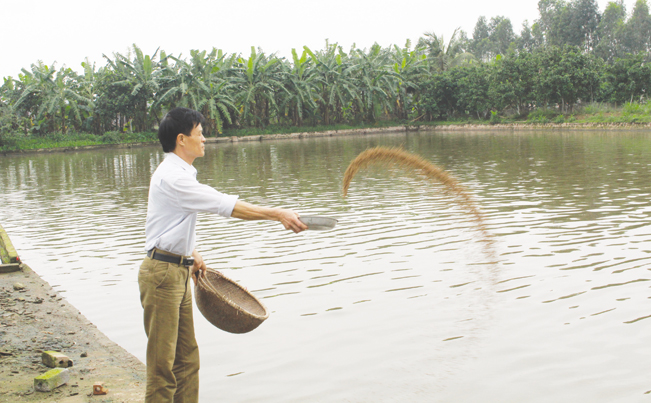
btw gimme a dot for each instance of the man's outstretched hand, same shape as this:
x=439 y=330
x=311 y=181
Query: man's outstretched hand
x=289 y=219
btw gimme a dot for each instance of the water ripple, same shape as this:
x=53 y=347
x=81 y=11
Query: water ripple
x=401 y=298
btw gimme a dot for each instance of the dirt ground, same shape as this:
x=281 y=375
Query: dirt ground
x=34 y=319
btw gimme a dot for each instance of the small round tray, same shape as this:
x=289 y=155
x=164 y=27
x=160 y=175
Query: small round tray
x=318 y=223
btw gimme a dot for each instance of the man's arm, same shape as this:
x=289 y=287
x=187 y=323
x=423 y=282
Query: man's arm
x=288 y=218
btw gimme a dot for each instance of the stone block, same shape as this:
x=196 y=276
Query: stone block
x=7 y=250
x=55 y=359
x=9 y=268
x=51 y=380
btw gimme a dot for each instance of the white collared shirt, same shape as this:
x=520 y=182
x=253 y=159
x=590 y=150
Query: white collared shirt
x=175 y=198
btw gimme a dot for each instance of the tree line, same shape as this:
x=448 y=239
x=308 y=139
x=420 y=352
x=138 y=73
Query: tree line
x=571 y=55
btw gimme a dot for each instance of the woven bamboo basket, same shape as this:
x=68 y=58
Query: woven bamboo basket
x=228 y=305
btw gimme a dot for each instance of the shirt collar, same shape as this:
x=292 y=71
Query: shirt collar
x=176 y=160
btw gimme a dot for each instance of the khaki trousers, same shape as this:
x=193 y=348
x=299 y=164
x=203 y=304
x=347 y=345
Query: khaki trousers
x=172 y=351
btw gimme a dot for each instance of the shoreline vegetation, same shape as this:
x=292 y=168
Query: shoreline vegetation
x=575 y=64
x=85 y=141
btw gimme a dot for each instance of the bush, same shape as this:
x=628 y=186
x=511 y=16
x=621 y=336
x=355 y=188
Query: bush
x=495 y=118
x=110 y=138
x=542 y=114
x=540 y=119
x=138 y=137
x=634 y=108
x=8 y=141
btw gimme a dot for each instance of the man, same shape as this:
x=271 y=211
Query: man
x=175 y=198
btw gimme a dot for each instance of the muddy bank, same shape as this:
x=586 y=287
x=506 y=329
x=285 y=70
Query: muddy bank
x=35 y=318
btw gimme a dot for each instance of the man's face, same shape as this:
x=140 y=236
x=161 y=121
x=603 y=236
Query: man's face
x=194 y=146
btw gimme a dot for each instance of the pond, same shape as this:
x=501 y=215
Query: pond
x=402 y=301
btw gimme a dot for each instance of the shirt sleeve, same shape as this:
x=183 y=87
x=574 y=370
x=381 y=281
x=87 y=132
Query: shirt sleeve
x=194 y=197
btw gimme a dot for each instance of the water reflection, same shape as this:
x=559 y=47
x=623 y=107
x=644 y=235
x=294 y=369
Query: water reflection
x=399 y=302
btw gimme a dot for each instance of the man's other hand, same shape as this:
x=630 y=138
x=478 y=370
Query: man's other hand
x=199 y=266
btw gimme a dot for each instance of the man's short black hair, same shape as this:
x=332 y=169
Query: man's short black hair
x=177 y=120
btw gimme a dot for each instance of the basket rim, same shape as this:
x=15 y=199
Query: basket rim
x=203 y=281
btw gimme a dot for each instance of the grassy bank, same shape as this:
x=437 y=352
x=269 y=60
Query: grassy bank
x=22 y=142
x=590 y=114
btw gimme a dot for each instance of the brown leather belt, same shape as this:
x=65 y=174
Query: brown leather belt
x=168 y=257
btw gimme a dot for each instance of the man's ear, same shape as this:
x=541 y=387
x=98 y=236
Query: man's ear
x=180 y=139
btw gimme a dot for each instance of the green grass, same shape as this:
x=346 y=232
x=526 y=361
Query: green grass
x=629 y=113
x=632 y=113
x=17 y=142
x=604 y=113
x=596 y=108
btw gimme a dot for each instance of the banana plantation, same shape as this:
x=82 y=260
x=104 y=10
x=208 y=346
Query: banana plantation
x=571 y=56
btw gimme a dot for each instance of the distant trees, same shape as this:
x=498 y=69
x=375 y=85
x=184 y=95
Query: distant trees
x=576 y=23
x=638 y=29
x=569 y=23
x=492 y=38
x=570 y=55
x=611 y=32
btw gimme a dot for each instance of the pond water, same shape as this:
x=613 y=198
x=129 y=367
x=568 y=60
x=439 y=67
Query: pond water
x=402 y=301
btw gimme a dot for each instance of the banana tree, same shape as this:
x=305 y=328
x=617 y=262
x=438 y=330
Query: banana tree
x=336 y=82
x=85 y=88
x=411 y=69
x=300 y=82
x=197 y=85
x=257 y=80
x=142 y=75
x=377 y=82
x=57 y=101
x=10 y=120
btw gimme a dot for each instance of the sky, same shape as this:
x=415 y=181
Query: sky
x=66 y=32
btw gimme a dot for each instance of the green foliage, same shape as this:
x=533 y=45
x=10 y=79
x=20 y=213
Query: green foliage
x=626 y=80
x=572 y=58
x=565 y=76
x=559 y=119
x=495 y=118
x=513 y=80
x=542 y=115
x=595 y=108
x=472 y=89
x=636 y=113
x=492 y=38
x=15 y=141
x=633 y=108
x=8 y=142
x=438 y=99
x=442 y=57
x=110 y=138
